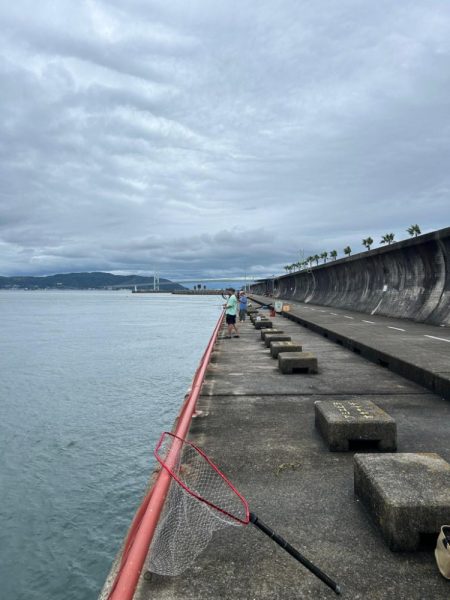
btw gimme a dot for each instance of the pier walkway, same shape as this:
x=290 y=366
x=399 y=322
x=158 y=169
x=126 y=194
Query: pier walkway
x=258 y=427
x=418 y=351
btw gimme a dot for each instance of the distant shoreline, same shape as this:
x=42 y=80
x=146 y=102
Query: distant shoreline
x=87 y=281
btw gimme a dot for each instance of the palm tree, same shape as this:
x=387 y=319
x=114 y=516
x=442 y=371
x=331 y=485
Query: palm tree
x=286 y=268
x=324 y=255
x=387 y=239
x=414 y=230
x=316 y=258
x=333 y=254
x=310 y=259
x=347 y=250
x=367 y=242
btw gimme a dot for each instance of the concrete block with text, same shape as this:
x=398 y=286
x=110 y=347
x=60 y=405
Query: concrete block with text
x=354 y=423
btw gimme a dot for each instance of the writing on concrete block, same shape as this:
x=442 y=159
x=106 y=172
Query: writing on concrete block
x=345 y=424
x=354 y=410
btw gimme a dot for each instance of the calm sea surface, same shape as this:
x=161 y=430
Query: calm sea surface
x=88 y=381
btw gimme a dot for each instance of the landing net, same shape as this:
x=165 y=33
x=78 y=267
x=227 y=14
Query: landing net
x=200 y=500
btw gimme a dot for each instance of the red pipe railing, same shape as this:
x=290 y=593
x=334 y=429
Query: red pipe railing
x=146 y=519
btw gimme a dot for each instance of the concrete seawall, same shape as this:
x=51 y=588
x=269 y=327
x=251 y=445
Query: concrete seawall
x=409 y=279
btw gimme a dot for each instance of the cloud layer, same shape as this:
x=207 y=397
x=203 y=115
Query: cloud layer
x=209 y=138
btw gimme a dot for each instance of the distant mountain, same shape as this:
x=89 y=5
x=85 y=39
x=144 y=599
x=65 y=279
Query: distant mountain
x=84 y=281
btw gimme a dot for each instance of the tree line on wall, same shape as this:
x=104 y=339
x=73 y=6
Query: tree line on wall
x=307 y=263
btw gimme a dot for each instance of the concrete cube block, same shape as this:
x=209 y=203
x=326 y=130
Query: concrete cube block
x=263 y=323
x=277 y=347
x=269 y=330
x=407 y=494
x=297 y=362
x=347 y=423
x=276 y=337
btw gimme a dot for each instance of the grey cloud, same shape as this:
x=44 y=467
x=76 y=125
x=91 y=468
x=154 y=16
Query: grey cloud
x=217 y=136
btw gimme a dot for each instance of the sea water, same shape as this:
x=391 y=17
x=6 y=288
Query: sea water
x=88 y=381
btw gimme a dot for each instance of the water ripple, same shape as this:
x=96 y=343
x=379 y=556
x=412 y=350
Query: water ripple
x=88 y=382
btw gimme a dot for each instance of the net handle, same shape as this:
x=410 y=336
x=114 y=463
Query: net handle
x=171 y=460
x=295 y=553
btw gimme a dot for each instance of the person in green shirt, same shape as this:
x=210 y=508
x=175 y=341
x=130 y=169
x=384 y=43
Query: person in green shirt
x=230 y=313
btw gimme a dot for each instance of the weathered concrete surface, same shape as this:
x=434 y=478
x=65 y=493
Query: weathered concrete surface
x=344 y=422
x=277 y=347
x=263 y=324
x=276 y=337
x=296 y=362
x=414 y=350
x=269 y=331
x=407 y=494
x=259 y=428
x=409 y=279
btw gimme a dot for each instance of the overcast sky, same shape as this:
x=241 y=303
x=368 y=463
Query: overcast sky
x=217 y=136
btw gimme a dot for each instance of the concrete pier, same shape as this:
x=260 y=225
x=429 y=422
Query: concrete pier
x=258 y=427
x=418 y=351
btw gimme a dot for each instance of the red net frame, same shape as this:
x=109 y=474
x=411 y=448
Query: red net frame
x=169 y=453
x=200 y=501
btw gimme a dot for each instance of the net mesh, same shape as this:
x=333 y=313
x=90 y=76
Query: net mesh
x=200 y=501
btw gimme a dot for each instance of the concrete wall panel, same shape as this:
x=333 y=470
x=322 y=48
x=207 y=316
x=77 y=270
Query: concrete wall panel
x=409 y=279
